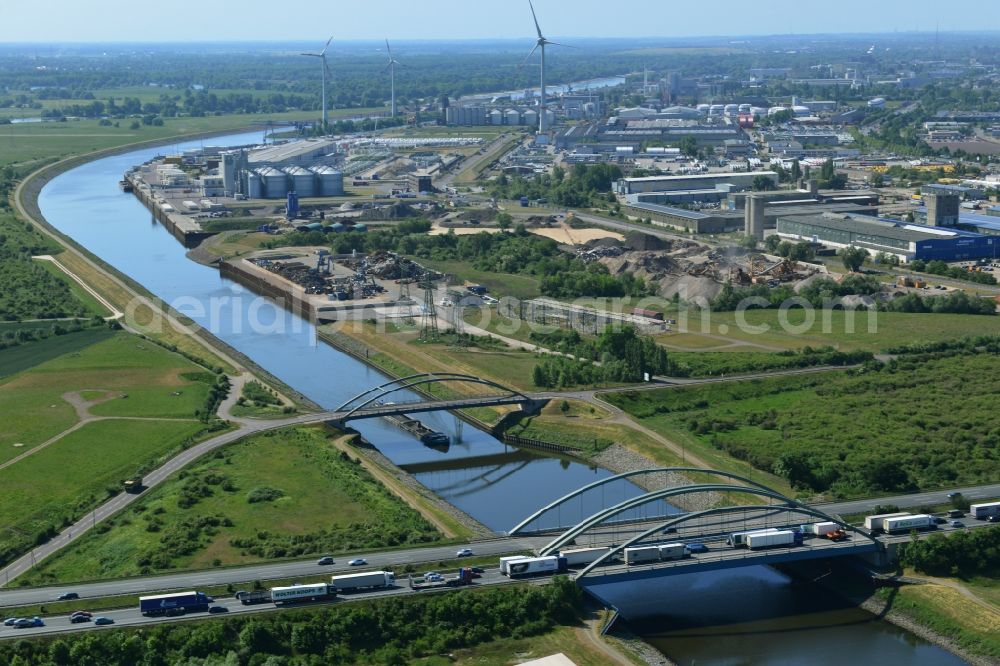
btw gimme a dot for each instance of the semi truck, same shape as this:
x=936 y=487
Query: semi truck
x=534 y=566
x=770 y=539
x=907 y=523
x=464 y=577
x=254 y=597
x=358 y=581
x=672 y=551
x=177 y=603
x=300 y=593
x=820 y=529
x=581 y=556
x=738 y=539
x=984 y=510
x=642 y=554
x=877 y=523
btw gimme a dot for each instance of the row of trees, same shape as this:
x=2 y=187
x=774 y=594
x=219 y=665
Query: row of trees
x=617 y=355
x=963 y=554
x=938 y=267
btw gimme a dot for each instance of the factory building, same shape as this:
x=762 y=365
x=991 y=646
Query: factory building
x=720 y=221
x=906 y=241
x=481 y=115
x=304 y=167
x=706 y=181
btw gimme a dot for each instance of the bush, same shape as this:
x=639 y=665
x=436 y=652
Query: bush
x=264 y=494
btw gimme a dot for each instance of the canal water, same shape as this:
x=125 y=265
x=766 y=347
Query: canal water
x=751 y=616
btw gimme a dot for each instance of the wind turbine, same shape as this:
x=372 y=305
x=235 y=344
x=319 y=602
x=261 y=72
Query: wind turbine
x=392 y=76
x=540 y=44
x=326 y=70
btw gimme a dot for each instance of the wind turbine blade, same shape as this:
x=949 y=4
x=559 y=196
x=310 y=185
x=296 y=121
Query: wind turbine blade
x=313 y=55
x=323 y=52
x=537 y=27
x=528 y=57
x=568 y=46
x=389 y=50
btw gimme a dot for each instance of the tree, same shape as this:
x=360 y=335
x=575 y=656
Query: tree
x=853 y=257
x=796 y=171
x=504 y=221
x=762 y=184
x=688 y=146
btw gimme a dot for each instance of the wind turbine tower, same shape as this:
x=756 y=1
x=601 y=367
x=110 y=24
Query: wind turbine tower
x=392 y=76
x=326 y=70
x=540 y=44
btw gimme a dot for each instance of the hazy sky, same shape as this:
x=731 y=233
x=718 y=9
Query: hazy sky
x=231 y=20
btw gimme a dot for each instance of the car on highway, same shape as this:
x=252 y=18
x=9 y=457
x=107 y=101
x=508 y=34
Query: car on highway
x=103 y=620
x=478 y=570
x=66 y=596
x=82 y=612
x=77 y=619
x=434 y=578
x=324 y=560
x=358 y=562
x=957 y=523
x=9 y=622
x=696 y=548
x=465 y=552
x=954 y=495
x=26 y=622
x=218 y=609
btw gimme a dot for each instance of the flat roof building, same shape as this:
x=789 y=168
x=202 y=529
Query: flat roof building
x=906 y=241
x=703 y=181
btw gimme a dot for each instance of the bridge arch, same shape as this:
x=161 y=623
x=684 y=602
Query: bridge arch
x=639 y=472
x=403 y=383
x=603 y=515
x=678 y=520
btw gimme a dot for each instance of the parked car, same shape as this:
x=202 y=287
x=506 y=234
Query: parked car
x=696 y=548
x=325 y=560
x=218 y=609
x=358 y=562
x=103 y=620
x=465 y=552
x=66 y=596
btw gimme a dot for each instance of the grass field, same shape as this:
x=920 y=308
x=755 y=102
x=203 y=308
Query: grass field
x=499 y=284
x=22 y=357
x=324 y=502
x=921 y=424
x=890 y=329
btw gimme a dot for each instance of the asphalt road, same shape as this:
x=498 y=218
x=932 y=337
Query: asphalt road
x=131 y=617
x=238 y=575
x=971 y=493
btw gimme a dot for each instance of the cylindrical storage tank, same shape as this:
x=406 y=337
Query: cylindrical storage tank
x=330 y=182
x=513 y=117
x=550 y=118
x=801 y=110
x=496 y=117
x=745 y=108
x=336 y=227
x=361 y=227
x=314 y=226
x=302 y=182
x=254 y=190
x=703 y=109
x=530 y=117
x=775 y=109
x=731 y=109
x=275 y=183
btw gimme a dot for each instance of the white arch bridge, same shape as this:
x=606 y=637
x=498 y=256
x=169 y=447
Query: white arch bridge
x=749 y=505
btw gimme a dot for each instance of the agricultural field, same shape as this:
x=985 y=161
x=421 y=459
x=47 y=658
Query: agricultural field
x=96 y=406
x=289 y=493
x=924 y=423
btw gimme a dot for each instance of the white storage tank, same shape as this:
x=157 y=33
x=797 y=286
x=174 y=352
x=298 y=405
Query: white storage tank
x=302 y=182
x=716 y=110
x=513 y=117
x=731 y=109
x=274 y=183
x=703 y=109
x=745 y=108
x=254 y=187
x=496 y=117
x=330 y=182
x=530 y=117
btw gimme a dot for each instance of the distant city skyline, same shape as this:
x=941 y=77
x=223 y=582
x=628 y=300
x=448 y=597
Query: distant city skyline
x=257 y=20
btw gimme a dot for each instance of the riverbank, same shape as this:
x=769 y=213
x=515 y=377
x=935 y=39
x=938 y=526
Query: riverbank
x=123 y=291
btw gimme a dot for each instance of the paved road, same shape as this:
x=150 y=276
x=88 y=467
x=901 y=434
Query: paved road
x=910 y=501
x=272 y=571
x=130 y=617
